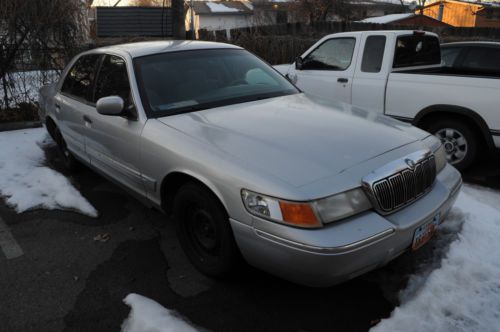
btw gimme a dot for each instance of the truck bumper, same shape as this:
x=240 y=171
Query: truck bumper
x=340 y=251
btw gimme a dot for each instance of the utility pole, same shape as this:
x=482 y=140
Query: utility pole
x=193 y=33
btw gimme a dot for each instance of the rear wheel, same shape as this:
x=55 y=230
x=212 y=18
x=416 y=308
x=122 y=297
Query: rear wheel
x=204 y=231
x=69 y=160
x=460 y=141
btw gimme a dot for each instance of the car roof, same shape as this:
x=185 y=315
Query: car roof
x=161 y=46
x=472 y=43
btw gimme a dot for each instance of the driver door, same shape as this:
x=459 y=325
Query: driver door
x=327 y=72
x=114 y=142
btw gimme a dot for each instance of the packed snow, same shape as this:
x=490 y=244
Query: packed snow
x=147 y=315
x=26 y=183
x=220 y=8
x=386 y=18
x=461 y=293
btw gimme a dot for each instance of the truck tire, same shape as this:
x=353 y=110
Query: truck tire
x=459 y=139
x=203 y=229
x=69 y=160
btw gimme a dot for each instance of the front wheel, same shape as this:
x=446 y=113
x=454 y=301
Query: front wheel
x=460 y=141
x=204 y=231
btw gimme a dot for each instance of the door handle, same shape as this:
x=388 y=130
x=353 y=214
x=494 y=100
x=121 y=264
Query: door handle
x=58 y=107
x=342 y=80
x=87 y=119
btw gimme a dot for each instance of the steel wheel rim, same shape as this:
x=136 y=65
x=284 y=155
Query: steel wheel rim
x=455 y=144
x=202 y=231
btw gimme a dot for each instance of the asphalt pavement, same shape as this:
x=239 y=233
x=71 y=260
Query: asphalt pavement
x=74 y=271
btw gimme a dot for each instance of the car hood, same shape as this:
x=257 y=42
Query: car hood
x=294 y=138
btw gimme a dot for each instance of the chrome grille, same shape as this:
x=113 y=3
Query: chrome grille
x=400 y=189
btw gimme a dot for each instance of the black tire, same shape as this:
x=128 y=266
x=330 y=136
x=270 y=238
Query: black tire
x=460 y=128
x=203 y=229
x=69 y=160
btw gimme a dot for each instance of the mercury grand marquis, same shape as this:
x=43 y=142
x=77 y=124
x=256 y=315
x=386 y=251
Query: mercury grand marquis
x=248 y=167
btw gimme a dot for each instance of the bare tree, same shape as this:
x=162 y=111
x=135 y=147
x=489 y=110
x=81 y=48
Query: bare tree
x=28 y=28
x=147 y=3
x=319 y=10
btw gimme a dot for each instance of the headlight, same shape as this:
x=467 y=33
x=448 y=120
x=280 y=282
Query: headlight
x=435 y=145
x=306 y=214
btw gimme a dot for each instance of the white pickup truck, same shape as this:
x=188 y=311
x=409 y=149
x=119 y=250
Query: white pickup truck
x=399 y=73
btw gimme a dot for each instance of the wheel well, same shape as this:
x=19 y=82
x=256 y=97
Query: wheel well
x=171 y=185
x=470 y=118
x=51 y=127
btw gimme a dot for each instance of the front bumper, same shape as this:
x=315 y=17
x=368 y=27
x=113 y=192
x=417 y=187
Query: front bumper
x=344 y=250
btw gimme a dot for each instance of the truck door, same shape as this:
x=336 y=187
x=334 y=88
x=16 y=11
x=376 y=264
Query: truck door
x=327 y=71
x=368 y=89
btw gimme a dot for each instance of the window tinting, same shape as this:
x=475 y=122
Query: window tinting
x=373 y=54
x=414 y=50
x=333 y=54
x=449 y=55
x=483 y=59
x=78 y=81
x=113 y=79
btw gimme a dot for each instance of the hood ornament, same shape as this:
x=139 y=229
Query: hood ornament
x=410 y=163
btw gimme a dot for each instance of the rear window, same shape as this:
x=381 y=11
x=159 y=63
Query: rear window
x=412 y=50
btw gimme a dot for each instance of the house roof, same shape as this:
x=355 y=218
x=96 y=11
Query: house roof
x=222 y=8
x=387 y=18
x=491 y=4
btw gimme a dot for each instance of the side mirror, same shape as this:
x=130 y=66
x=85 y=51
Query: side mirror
x=298 y=63
x=112 y=105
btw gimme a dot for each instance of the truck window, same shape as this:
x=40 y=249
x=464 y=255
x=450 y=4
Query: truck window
x=414 y=50
x=483 y=59
x=333 y=54
x=112 y=79
x=78 y=81
x=449 y=55
x=373 y=54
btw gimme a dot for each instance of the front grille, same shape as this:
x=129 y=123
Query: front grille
x=402 y=188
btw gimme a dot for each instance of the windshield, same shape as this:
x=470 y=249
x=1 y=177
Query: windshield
x=177 y=82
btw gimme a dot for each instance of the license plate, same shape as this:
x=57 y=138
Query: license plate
x=425 y=232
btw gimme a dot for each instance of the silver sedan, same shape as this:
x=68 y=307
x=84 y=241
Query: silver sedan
x=248 y=166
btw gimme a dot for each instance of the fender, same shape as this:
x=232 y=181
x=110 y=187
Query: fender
x=454 y=109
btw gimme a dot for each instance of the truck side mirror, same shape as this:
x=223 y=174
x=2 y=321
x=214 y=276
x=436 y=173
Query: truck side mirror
x=299 y=63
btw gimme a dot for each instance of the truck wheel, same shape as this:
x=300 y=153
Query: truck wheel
x=204 y=231
x=460 y=141
x=69 y=160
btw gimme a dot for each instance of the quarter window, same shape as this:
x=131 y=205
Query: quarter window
x=78 y=81
x=113 y=79
x=373 y=54
x=333 y=54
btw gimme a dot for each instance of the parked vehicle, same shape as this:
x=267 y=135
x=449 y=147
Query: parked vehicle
x=475 y=58
x=246 y=164
x=399 y=73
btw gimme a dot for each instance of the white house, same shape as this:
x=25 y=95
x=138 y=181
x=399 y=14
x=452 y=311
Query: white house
x=220 y=15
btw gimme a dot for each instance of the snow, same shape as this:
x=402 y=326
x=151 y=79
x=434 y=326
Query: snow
x=220 y=8
x=461 y=292
x=26 y=183
x=386 y=18
x=147 y=315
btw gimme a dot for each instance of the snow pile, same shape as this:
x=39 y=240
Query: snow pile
x=386 y=18
x=220 y=8
x=26 y=183
x=148 y=316
x=463 y=294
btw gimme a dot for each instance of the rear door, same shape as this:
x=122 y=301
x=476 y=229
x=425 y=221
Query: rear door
x=327 y=71
x=114 y=142
x=73 y=100
x=368 y=89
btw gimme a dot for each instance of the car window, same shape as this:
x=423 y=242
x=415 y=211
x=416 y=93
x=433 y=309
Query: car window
x=449 y=55
x=112 y=79
x=373 y=54
x=78 y=81
x=186 y=81
x=415 y=50
x=333 y=54
x=483 y=59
